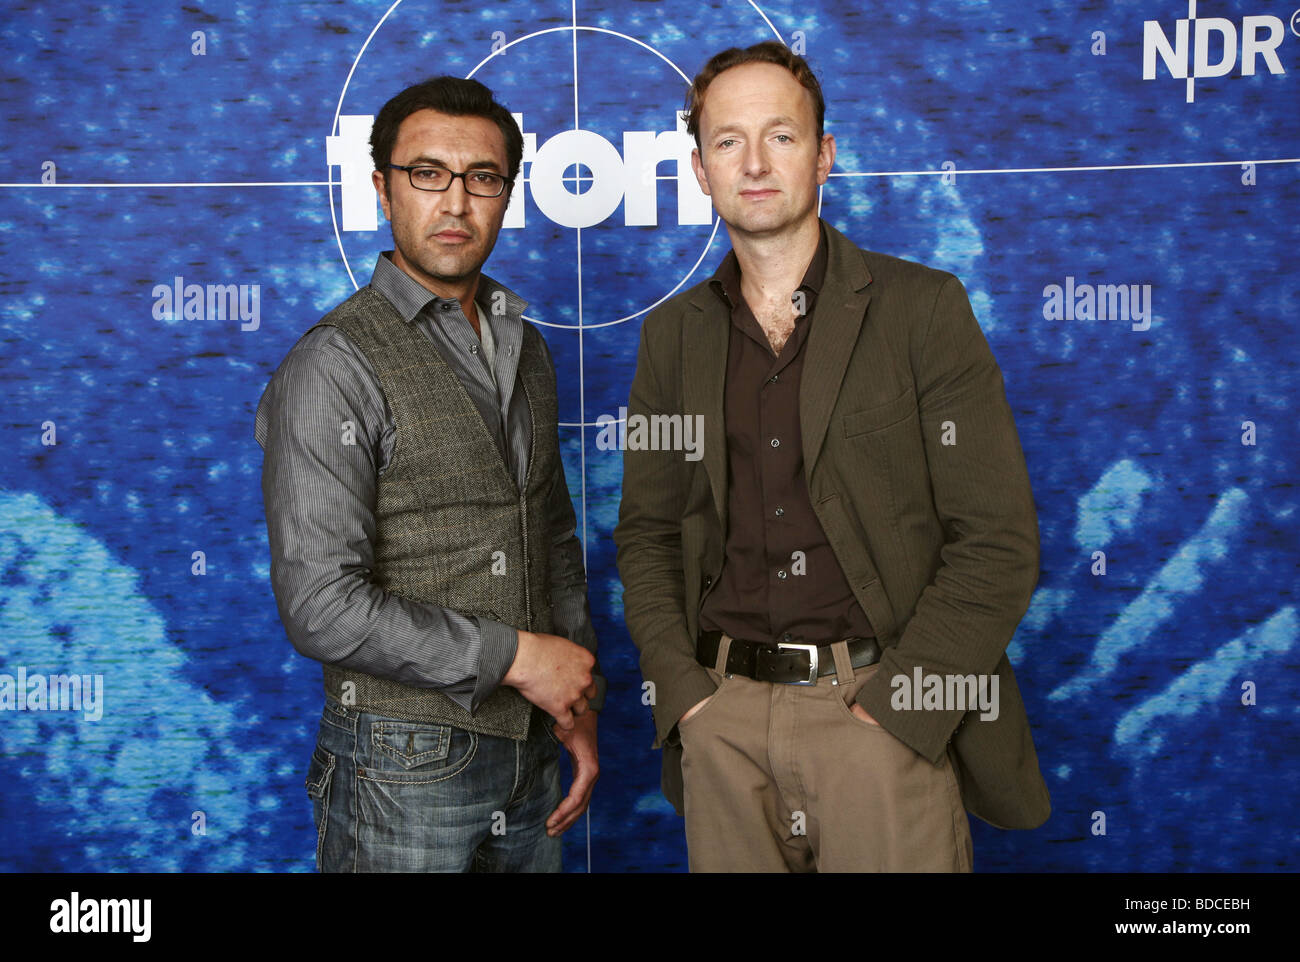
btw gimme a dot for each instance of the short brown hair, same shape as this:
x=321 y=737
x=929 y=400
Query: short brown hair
x=769 y=51
x=447 y=95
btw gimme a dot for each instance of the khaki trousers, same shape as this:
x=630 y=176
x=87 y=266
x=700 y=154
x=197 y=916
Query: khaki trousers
x=784 y=778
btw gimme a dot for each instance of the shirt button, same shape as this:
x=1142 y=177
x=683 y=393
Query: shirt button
x=445 y=307
x=787 y=636
x=781 y=574
x=772 y=379
x=776 y=442
x=779 y=512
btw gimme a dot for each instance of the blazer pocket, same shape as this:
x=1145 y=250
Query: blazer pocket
x=881 y=416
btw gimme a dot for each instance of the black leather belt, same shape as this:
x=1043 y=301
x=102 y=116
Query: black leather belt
x=786 y=663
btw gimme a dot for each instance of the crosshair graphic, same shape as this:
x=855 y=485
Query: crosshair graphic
x=577 y=178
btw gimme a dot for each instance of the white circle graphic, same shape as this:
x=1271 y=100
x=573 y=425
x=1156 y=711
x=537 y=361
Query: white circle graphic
x=548 y=169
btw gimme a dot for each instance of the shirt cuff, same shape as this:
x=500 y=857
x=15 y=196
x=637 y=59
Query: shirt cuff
x=498 y=644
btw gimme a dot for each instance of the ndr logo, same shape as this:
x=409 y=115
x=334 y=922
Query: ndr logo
x=1253 y=46
x=630 y=178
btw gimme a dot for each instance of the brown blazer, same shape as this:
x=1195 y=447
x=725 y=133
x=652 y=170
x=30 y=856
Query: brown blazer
x=939 y=542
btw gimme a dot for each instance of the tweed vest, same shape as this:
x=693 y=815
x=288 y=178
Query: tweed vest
x=453 y=529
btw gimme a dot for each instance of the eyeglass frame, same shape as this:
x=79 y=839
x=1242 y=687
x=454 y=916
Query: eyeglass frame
x=505 y=181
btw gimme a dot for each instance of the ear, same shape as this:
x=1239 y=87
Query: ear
x=381 y=187
x=697 y=165
x=825 y=158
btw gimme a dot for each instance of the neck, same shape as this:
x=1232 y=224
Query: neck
x=775 y=262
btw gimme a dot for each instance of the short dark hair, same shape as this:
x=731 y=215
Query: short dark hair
x=447 y=95
x=769 y=51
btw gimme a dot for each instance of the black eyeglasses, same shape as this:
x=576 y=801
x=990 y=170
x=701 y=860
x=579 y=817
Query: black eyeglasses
x=480 y=183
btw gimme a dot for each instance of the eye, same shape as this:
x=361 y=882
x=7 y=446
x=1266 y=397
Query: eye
x=427 y=173
x=484 y=178
x=785 y=138
x=723 y=144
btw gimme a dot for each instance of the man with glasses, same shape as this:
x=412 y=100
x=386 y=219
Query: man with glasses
x=423 y=544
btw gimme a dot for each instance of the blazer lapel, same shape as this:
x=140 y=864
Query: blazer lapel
x=837 y=319
x=704 y=344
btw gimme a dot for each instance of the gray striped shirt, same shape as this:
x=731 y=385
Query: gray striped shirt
x=320 y=507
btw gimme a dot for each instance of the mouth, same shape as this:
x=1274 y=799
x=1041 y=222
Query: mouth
x=452 y=236
x=759 y=193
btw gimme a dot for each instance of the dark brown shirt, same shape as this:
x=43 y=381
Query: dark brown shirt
x=780 y=580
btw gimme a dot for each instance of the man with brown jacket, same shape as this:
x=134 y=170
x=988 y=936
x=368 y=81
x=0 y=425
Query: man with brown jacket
x=823 y=601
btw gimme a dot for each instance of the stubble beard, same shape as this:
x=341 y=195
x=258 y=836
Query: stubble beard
x=421 y=251
x=767 y=222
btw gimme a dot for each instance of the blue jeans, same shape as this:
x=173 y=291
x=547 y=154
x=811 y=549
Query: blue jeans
x=398 y=796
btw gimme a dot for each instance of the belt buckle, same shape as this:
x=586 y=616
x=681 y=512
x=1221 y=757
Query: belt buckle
x=812 y=661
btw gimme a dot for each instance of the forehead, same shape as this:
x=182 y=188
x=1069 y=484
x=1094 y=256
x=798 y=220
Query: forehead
x=458 y=140
x=753 y=93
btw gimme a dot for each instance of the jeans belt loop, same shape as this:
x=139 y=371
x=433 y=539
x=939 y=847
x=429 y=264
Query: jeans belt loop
x=843 y=663
x=724 y=649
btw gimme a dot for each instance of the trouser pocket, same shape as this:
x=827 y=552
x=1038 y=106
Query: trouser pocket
x=320 y=777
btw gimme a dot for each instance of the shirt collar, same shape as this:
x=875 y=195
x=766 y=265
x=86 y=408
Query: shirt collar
x=410 y=297
x=726 y=280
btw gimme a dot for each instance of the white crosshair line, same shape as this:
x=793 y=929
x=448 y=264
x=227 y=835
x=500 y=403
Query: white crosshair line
x=582 y=388
x=1172 y=165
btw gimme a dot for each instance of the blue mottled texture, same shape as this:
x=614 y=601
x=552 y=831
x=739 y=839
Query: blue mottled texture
x=1133 y=679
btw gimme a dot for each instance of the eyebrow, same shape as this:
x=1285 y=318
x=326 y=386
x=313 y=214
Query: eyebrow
x=426 y=160
x=774 y=122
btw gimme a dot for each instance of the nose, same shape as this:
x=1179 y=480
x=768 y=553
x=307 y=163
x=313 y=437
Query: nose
x=455 y=199
x=755 y=158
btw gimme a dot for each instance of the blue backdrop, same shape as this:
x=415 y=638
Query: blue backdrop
x=1015 y=144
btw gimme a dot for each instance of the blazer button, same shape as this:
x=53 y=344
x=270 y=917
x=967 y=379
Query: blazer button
x=707 y=581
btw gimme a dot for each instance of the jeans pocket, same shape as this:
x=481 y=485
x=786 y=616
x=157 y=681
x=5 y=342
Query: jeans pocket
x=320 y=777
x=548 y=723
x=417 y=751
x=722 y=681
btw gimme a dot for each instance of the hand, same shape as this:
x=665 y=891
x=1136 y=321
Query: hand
x=860 y=712
x=554 y=674
x=580 y=742
x=693 y=709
